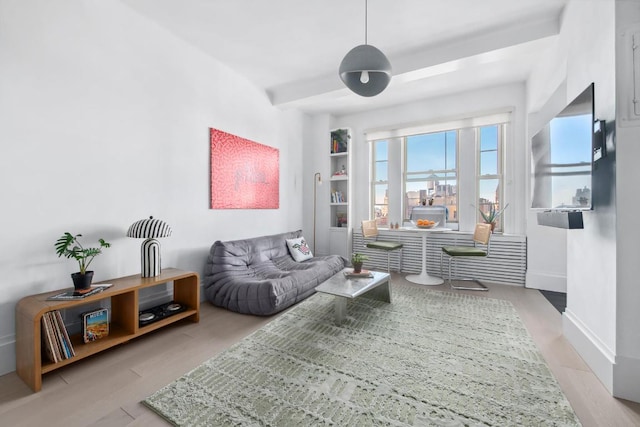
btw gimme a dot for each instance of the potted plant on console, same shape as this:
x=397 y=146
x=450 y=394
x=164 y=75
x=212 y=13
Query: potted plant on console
x=357 y=260
x=68 y=246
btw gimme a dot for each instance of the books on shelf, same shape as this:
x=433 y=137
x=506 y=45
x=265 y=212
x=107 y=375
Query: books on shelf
x=50 y=346
x=72 y=294
x=55 y=337
x=337 y=197
x=339 y=140
x=95 y=324
x=63 y=336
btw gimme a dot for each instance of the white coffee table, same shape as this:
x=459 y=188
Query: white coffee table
x=376 y=287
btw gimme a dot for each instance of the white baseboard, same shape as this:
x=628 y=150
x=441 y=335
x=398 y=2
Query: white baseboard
x=626 y=378
x=7 y=354
x=545 y=281
x=598 y=356
x=619 y=374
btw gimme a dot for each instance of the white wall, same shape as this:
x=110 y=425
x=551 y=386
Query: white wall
x=586 y=53
x=316 y=159
x=104 y=120
x=626 y=374
x=591 y=254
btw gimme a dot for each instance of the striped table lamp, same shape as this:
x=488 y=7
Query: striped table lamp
x=150 y=229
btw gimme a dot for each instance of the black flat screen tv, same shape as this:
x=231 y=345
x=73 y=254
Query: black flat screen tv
x=562 y=156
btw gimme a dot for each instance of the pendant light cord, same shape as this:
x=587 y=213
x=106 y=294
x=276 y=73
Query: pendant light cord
x=366 y=11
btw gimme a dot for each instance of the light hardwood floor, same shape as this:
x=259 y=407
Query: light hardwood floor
x=106 y=389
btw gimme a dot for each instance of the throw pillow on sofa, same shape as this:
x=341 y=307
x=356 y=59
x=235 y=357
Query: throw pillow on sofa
x=299 y=249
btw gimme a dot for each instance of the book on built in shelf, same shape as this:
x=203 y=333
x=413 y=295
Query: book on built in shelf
x=72 y=294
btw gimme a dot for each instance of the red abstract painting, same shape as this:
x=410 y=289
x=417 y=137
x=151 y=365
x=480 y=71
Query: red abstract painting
x=244 y=174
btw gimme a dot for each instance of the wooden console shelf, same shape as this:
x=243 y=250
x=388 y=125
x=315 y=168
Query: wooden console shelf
x=31 y=363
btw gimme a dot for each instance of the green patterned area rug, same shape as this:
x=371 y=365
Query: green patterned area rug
x=428 y=359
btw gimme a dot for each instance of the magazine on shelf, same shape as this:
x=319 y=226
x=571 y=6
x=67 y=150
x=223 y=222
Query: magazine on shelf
x=95 y=324
x=72 y=294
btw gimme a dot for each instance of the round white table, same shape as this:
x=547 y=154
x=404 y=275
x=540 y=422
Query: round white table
x=423 y=278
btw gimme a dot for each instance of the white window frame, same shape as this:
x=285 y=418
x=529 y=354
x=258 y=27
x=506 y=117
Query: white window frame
x=374 y=183
x=469 y=180
x=500 y=171
x=405 y=173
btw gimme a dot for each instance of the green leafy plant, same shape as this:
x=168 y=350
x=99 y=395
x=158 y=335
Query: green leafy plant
x=68 y=246
x=493 y=214
x=357 y=258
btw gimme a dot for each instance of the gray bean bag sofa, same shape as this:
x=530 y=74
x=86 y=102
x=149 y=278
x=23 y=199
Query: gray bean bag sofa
x=259 y=276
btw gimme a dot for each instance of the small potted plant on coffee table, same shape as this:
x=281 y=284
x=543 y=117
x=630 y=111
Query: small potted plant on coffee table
x=357 y=260
x=68 y=246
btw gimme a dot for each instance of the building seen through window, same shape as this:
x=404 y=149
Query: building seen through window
x=431 y=172
x=381 y=183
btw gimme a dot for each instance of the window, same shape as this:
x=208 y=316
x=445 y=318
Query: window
x=457 y=164
x=381 y=182
x=489 y=180
x=431 y=172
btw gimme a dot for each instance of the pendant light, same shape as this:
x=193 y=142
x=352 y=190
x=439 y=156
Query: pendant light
x=365 y=70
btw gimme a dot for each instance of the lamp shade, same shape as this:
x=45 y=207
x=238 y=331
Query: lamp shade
x=365 y=70
x=149 y=229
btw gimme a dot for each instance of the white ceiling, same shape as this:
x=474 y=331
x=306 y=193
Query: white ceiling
x=292 y=48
